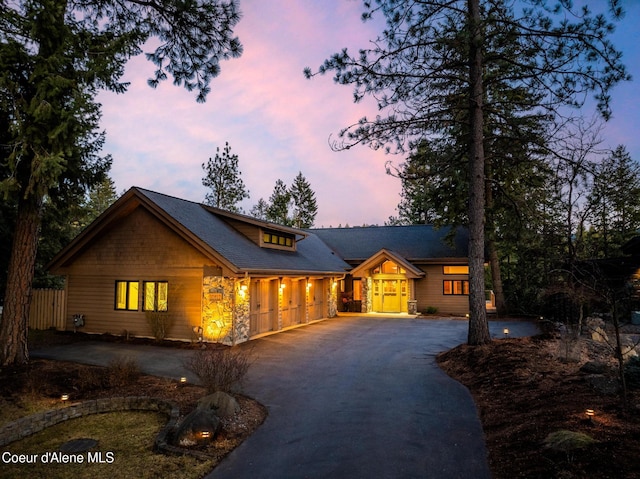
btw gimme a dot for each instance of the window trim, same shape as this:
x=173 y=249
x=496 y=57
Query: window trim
x=464 y=287
x=127 y=299
x=155 y=296
x=454 y=266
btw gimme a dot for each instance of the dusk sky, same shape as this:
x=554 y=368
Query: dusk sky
x=279 y=123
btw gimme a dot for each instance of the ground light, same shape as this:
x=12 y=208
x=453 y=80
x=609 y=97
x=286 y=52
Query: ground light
x=64 y=398
x=505 y=331
x=590 y=413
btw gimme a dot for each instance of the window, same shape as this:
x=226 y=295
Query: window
x=455 y=287
x=388 y=267
x=156 y=294
x=127 y=295
x=280 y=239
x=455 y=269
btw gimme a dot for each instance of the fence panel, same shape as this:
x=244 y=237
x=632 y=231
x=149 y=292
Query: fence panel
x=47 y=309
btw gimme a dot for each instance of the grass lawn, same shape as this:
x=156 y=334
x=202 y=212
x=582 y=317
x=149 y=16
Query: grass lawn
x=125 y=441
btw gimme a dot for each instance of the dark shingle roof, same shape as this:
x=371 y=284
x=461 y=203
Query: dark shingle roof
x=312 y=254
x=416 y=242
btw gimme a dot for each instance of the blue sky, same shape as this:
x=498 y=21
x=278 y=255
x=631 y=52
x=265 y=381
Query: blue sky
x=279 y=123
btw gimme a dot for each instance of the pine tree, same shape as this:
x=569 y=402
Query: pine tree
x=259 y=210
x=223 y=178
x=429 y=49
x=305 y=207
x=54 y=57
x=279 y=205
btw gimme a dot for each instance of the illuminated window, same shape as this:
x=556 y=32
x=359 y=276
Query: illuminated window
x=455 y=287
x=455 y=269
x=127 y=295
x=280 y=239
x=156 y=294
x=388 y=267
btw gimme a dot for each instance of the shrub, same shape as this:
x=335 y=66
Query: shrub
x=430 y=310
x=122 y=371
x=220 y=369
x=160 y=323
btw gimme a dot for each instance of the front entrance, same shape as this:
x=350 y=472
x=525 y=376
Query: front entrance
x=389 y=283
x=389 y=295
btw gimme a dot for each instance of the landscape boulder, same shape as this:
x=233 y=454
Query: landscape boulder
x=221 y=403
x=200 y=426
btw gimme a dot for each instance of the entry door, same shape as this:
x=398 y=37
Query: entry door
x=389 y=295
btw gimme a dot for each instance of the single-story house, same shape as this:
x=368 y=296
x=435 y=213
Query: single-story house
x=227 y=277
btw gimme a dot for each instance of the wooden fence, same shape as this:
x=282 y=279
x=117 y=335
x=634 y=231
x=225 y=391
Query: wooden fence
x=47 y=309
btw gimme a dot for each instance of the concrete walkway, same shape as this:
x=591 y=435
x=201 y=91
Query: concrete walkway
x=351 y=397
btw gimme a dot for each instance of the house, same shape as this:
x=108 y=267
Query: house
x=406 y=269
x=220 y=276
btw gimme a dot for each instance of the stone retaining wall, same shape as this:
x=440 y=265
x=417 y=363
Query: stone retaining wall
x=29 y=425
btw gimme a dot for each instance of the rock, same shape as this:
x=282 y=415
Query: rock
x=198 y=427
x=594 y=367
x=223 y=404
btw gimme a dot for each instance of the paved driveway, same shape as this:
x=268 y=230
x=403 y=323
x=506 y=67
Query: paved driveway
x=353 y=397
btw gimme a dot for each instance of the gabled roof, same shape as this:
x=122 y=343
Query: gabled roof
x=206 y=230
x=416 y=243
x=383 y=255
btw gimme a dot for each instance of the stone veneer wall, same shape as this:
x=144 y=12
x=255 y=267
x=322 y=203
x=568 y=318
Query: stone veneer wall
x=225 y=310
x=367 y=295
x=332 y=301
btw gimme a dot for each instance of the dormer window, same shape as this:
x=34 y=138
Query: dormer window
x=278 y=239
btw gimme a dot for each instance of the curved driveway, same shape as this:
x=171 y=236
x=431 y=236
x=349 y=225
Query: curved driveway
x=351 y=397
x=360 y=397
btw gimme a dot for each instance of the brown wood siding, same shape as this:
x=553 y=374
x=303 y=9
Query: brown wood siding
x=139 y=248
x=250 y=231
x=428 y=292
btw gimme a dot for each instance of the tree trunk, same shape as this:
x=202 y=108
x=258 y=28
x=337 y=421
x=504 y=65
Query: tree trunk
x=478 y=325
x=17 y=298
x=494 y=260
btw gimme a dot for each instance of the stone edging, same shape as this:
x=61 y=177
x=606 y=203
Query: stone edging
x=34 y=423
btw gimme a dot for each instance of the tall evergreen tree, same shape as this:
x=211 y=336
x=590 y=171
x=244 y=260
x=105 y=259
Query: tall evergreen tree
x=415 y=65
x=614 y=210
x=223 y=178
x=279 y=204
x=54 y=56
x=305 y=207
x=259 y=210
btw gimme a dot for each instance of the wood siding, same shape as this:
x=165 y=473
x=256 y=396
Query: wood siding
x=138 y=248
x=428 y=292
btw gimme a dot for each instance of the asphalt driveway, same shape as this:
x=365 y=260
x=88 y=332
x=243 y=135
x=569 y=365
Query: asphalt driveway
x=351 y=397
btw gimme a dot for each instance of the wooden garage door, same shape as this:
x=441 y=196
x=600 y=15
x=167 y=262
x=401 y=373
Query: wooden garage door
x=317 y=298
x=264 y=304
x=293 y=302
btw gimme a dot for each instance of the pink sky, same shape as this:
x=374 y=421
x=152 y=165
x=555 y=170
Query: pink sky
x=278 y=122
